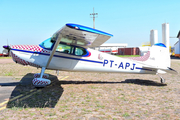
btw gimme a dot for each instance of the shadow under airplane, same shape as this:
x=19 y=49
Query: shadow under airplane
x=26 y=95
x=133 y=81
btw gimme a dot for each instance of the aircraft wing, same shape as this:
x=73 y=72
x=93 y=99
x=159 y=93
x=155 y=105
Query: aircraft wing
x=168 y=70
x=79 y=35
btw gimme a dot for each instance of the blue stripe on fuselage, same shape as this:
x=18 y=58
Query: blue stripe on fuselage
x=58 y=56
x=144 y=69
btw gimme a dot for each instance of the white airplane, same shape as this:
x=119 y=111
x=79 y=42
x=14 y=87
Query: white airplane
x=69 y=50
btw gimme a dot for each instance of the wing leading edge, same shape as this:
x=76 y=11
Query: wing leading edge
x=79 y=35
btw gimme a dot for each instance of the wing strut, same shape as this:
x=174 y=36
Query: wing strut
x=51 y=55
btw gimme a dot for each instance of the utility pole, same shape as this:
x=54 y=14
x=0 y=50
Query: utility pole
x=94 y=15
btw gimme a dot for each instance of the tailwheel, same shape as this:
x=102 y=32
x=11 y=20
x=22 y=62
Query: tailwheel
x=37 y=75
x=162 y=80
x=41 y=82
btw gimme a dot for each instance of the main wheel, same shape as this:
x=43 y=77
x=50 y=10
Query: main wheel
x=41 y=82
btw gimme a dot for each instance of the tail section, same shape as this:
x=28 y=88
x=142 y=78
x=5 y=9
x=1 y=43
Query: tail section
x=159 y=59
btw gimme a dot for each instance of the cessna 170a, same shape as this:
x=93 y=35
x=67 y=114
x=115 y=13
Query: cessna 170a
x=69 y=50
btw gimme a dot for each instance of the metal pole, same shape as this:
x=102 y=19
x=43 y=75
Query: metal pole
x=94 y=15
x=93 y=19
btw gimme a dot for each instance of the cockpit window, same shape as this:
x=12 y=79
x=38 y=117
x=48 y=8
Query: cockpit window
x=47 y=44
x=71 y=49
x=65 y=48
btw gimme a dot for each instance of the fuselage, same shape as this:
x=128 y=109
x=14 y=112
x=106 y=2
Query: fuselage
x=69 y=50
x=75 y=58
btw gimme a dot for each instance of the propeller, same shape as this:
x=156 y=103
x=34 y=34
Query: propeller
x=7 y=46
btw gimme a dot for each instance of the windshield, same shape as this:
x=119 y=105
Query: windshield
x=47 y=44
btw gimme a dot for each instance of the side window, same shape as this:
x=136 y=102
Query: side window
x=80 y=51
x=71 y=50
x=64 y=49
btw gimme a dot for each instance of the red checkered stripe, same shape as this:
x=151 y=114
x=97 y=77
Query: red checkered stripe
x=22 y=62
x=142 y=58
x=34 y=48
x=36 y=75
x=39 y=82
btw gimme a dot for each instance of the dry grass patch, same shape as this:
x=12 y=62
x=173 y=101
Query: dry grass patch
x=94 y=96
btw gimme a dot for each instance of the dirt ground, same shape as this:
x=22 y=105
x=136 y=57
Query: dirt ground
x=5 y=61
x=92 y=96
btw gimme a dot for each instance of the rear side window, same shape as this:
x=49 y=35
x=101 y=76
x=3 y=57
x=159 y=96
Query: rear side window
x=80 y=51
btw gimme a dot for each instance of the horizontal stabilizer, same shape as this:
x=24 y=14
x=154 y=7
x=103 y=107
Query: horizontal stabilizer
x=168 y=70
x=172 y=71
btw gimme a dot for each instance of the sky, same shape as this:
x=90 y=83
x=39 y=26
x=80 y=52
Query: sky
x=129 y=21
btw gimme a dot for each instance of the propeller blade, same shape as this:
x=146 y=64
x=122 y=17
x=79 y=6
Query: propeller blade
x=6 y=47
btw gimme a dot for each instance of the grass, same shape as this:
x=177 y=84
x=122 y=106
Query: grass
x=65 y=100
x=125 y=115
x=5 y=57
x=9 y=74
x=128 y=55
x=13 y=69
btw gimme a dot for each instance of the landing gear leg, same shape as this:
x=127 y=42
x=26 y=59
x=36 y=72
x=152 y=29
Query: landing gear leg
x=41 y=75
x=42 y=72
x=162 y=79
x=57 y=72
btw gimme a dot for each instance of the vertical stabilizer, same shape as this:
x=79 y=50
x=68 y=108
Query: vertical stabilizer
x=160 y=56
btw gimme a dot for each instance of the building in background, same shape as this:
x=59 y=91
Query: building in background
x=5 y=53
x=146 y=44
x=177 y=46
x=111 y=48
x=121 y=49
x=129 y=51
x=165 y=34
x=153 y=37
